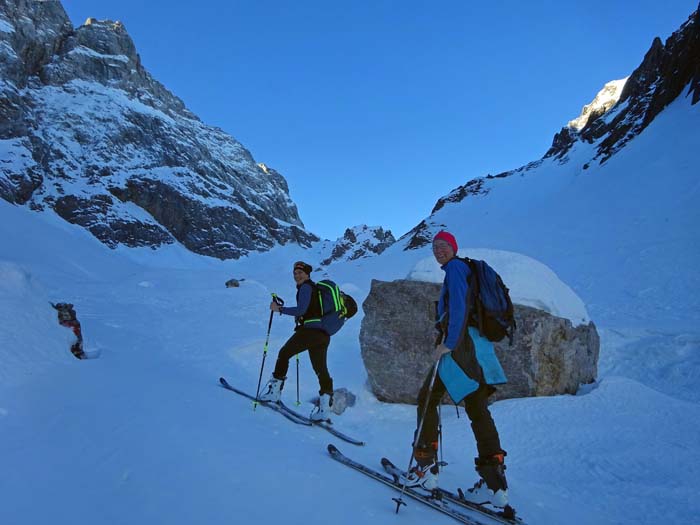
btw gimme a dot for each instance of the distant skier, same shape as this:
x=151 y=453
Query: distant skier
x=67 y=317
x=308 y=335
x=467 y=368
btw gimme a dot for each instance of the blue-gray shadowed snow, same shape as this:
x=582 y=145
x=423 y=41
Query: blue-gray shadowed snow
x=145 y=435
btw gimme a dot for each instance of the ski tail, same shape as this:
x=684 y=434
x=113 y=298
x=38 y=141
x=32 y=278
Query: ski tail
x=274 y=406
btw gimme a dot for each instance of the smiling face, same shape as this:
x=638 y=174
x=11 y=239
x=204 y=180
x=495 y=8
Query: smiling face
x=442 y=251
x=300 y=276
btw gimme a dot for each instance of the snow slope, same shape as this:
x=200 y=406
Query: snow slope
x=624 y=235
x=145 y=435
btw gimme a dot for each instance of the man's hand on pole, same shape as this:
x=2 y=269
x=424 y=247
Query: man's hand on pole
x=275 y=307
x=276 y=304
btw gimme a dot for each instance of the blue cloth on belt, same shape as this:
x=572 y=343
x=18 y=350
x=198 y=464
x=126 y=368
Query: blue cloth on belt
x=458 y=384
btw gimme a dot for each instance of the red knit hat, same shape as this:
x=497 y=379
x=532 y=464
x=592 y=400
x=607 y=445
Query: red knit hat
x=448 y=238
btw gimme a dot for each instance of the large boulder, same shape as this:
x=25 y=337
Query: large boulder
x=549 y=355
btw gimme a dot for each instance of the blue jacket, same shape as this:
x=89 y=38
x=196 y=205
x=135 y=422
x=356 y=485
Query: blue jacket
x=453 y=299
x=473 y=360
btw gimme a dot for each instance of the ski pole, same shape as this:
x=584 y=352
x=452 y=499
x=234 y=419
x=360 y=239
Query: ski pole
x=442 y=462
x=399 y=501
x=267 y=340
x=298 y=402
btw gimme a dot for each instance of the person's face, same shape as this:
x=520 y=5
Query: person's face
x=442 y=251
x=300 y=276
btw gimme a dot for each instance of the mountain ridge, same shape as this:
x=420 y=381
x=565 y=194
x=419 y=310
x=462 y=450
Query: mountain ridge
x=665 y=73
x=90 y=134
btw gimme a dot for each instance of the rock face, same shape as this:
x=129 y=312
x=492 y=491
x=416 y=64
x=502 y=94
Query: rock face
x=667 y=71
x=549 y=356
x=357 y=242
x=86 y=131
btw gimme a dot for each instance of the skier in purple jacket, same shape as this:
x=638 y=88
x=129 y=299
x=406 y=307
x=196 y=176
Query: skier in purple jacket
x=308 y=335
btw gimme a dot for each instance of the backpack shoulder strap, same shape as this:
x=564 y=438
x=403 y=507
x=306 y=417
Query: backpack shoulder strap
x=314 y=298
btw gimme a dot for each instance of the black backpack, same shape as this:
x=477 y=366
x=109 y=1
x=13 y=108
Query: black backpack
x=66 y=312
x=336 y=306
x=489 y=305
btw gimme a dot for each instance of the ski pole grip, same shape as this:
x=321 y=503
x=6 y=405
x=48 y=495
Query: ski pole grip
x=277 y=299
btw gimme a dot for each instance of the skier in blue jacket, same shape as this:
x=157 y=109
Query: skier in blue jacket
x=308 y=335
x=467 y=369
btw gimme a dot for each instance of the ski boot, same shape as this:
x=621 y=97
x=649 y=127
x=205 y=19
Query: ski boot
x=323 y=411
x=273 y=390
x=492 y=488
x=425 y=473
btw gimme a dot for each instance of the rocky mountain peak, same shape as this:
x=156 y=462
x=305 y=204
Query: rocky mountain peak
x=86 y=131
x=618 y=113
x=107 y=36
x=666 y=71
x=357 y=242
x=604 y=100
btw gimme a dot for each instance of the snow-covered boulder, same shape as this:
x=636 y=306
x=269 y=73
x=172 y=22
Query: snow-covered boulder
x=554 y=351
x=531 y=283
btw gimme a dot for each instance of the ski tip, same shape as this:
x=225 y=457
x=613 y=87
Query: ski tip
x=223 y=381
x=332 y=449
x=385 y=462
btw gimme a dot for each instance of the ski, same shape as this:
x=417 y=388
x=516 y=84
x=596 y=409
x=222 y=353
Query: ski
x=507 y=516
x=327 y=425
x=294 y=416
x=277 y=407
x=436 y=503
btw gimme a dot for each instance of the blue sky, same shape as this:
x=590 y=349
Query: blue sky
x=372 y=110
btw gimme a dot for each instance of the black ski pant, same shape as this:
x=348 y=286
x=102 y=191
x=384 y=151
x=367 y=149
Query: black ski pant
x=476 y=404
x=316 y=342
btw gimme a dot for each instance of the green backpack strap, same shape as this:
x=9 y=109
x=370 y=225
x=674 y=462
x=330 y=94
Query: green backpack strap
x=338 y=302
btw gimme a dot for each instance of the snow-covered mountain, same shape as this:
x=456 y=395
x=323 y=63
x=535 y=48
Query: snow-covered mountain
x=356 y=242
x=668 y=71
x=86 y=131
x=615 y=171
x=603 y=101
x=145 y=435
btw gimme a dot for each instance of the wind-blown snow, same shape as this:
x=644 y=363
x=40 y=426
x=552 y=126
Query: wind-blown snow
x=82 y=50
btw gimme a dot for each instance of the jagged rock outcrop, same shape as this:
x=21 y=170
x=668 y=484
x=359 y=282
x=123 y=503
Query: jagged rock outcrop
x=357 y=242
x=549 y=356
x=666 y=72
x=86 y=131
x=477 y=186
